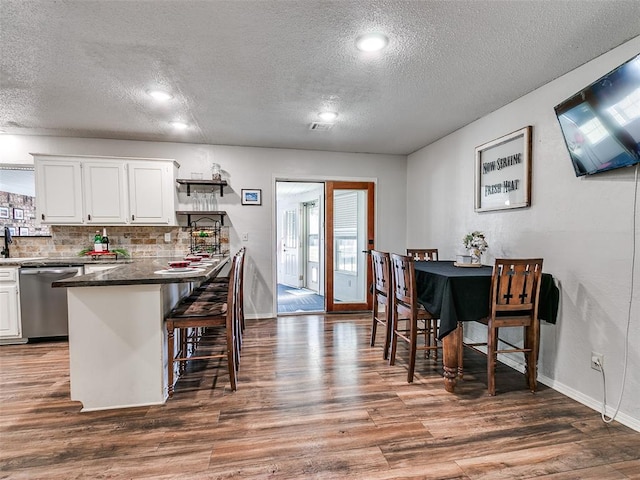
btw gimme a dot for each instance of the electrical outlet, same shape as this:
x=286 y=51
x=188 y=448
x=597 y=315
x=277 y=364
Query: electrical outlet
x=597 y=361
x=167 y=237
x=245 y=237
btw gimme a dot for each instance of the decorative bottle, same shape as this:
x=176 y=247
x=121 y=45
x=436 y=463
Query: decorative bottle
x=105 y=240
x=97 y=242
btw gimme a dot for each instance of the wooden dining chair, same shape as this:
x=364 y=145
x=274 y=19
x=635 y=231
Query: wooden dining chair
x=515 y=292
x=409 y=319
x=382 y=288
x=423 y=254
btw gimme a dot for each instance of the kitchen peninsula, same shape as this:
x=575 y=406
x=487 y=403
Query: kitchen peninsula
x=117 y=340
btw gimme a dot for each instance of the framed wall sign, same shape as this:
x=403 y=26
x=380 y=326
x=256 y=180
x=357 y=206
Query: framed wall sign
x=4 y=212
x=24 y=231
x=251 y=196
x=503 y=172
x=18 y=214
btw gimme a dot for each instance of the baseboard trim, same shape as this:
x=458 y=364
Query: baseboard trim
x=576 y=395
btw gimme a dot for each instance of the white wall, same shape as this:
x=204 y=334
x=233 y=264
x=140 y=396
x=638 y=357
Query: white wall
x=246 y=167
x=582 y=227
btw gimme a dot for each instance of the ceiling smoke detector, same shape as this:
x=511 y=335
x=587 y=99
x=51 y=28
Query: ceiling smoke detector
x=320 y=126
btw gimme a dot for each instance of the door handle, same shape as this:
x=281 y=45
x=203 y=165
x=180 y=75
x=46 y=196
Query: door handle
x=29 y=271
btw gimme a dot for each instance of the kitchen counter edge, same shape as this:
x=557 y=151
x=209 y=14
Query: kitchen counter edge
x=142 y=272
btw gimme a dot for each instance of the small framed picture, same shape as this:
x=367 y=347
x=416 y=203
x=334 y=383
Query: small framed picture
x=18 y=214
x=4 y=212
x=251 y=197
x=12 y=231
x=24 y=231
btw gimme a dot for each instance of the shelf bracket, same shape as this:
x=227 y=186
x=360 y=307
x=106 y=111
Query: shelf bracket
x=189 y=190
x=203 y=215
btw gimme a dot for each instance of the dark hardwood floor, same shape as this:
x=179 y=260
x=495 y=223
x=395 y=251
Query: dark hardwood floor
x=313 y=401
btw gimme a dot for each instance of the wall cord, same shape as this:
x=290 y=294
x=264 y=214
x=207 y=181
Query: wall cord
x=626 y=343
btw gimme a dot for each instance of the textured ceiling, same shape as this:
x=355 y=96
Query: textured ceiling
x=256 y=73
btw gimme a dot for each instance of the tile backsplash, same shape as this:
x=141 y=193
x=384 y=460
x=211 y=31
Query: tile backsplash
x=140 y=241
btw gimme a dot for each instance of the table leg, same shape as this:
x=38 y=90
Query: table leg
x=450 y=359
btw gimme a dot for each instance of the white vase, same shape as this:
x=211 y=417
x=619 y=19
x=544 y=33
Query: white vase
x=476 y=256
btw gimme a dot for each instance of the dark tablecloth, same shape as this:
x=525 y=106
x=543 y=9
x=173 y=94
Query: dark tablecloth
x=455 y=294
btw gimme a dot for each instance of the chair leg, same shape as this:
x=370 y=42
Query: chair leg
x=426 y=333
x=436 y=330
x=412 y=349
x=492 y=342
x=394 y=345
x=433 y=332
x=374 y=324
x=460 y=350
x=170 y=355
x=388 y=332
x=231 y=357
x=531 y=358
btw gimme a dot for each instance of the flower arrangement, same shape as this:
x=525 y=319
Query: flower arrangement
x=475 y=241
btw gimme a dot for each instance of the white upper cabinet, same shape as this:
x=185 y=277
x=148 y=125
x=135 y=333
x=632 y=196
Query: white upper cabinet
x=151 y=193
x=58 y=191
x=105 y=199
x=79 y=190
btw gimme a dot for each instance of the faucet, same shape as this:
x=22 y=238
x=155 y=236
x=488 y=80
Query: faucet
x=7 y=241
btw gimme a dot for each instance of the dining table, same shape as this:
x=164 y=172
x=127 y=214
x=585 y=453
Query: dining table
x=461 y=293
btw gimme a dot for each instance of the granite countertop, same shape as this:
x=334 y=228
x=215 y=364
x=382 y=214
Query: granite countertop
x=144 y=271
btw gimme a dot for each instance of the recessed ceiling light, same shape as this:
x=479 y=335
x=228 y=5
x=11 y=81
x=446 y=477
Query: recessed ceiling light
x=160 y=95
x=371 y=42
x=328 y=116
x=179 y=125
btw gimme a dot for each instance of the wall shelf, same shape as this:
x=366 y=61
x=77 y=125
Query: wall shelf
x=193 y=181
x=202 y=213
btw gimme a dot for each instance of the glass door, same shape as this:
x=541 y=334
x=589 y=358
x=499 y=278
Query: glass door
x=312 y=251
x=350 y=234
x=291 y=249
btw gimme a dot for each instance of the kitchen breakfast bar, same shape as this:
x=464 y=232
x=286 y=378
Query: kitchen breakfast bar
x=117 y=340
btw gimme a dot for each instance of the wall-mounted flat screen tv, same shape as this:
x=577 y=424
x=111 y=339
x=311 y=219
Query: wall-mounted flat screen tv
x=601 y=123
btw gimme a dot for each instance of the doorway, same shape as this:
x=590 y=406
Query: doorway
x=300 y=249
x=324 y=231
x=350 y=235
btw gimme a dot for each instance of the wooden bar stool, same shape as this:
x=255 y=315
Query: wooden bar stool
x=195 y=314
x=382 y=289
x=515 y=293
x=407 y=315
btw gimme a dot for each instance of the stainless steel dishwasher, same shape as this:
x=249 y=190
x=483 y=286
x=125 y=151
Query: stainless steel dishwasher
x=43 y=308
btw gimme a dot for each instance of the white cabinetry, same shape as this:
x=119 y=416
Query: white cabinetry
x=58 y=191
x=105 y=198
x=9 y=305
x=151 y=193
x=82 y=190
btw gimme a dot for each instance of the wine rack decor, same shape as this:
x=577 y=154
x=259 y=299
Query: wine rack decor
x=205 y=238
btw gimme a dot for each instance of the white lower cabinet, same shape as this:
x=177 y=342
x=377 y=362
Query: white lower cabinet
x=10 y=325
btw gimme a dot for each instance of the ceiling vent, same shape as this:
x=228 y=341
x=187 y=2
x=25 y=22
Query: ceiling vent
x=320 y=127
